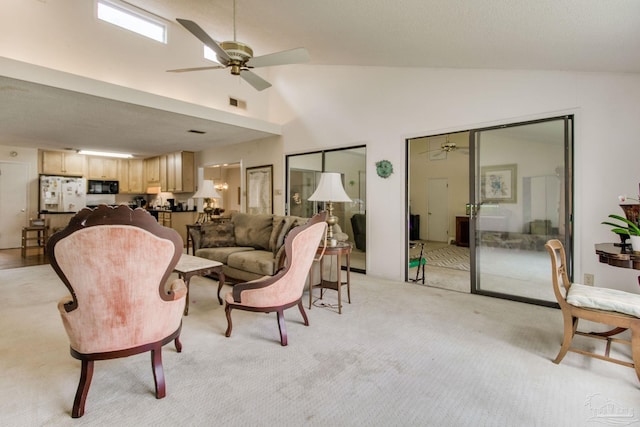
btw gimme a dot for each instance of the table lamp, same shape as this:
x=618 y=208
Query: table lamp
x=207 y=192
x=330 y=190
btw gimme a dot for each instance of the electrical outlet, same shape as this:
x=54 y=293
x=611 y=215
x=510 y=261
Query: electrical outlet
x=588 y=279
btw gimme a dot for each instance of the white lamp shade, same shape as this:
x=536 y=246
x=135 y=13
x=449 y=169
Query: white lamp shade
x=207 y=191
x=330 y=189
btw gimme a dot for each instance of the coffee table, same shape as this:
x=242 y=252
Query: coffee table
x=190 y=266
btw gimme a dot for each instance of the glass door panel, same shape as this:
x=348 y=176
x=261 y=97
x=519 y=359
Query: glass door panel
x=520 y=202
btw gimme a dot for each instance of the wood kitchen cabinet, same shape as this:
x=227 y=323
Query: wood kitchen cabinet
x=62 y=163
x=179 y=222
x=102 y=168
x=180 y=172
x=152 y=171
x=131 y=176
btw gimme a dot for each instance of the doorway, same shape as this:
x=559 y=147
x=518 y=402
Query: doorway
x=517 y=195
x=437 y=191
x=14 y=189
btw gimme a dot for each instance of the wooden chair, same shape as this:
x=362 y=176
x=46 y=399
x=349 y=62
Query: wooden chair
x=283 y=290
x=115 y=263
x=601 y=305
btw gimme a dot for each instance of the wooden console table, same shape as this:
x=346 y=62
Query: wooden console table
x=617 y=256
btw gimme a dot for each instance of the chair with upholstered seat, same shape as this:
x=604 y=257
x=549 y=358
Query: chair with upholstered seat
x=610 y=307
x=283 y=290
x=116 y=263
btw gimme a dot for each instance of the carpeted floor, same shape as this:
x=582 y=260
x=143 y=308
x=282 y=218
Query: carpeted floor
x=400 y=355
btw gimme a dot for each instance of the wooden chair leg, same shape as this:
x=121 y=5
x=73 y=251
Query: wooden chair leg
x=635 y=348
x=83 y=388
x=282 y=328
x=158 y=372
x=178 y=344
x=227 y=311
x=570 y=326
x=304 y=315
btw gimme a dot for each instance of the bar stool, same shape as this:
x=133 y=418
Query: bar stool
x=37 y=233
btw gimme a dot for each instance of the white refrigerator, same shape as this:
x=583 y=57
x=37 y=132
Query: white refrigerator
x=62 y=194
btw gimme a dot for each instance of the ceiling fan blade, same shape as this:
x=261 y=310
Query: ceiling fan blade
x=195 y=29
x=292 y=56
x=255 y=80
x=183 y=70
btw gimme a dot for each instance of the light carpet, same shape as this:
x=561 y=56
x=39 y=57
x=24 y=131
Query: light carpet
x=399 y=355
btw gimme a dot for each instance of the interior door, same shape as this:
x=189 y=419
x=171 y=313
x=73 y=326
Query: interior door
x=437 y=220
x=13 y=203
x=520 y=192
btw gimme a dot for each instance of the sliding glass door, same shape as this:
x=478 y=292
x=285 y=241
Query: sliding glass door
x=520 y=192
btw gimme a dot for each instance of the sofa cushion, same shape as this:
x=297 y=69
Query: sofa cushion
x=253 y=230
x=258 y=262
x=221 y=254
x=217 y=235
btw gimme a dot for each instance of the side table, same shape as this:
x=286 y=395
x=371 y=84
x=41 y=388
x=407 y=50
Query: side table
x=190 y=266
x=340 y=249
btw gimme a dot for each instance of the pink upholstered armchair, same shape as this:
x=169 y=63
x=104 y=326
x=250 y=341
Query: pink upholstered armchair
x=116 y=263
x=284 y=290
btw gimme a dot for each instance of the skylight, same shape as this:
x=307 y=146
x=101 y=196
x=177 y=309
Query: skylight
x=210 y=54
x=132 y=21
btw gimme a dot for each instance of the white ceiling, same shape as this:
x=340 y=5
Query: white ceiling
x=573 y=35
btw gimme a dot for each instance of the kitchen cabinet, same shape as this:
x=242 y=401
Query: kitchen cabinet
x=62 y=163
x=131 y=176
x=179 y=222
x=152 y=171
x=103 y=168
x=173 y=172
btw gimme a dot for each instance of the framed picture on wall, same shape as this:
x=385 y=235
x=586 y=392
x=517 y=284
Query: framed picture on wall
x=260 y=190
x=498 y=184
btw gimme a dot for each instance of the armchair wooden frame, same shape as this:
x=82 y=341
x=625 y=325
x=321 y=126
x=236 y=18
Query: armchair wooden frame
x=120 y=216
x=234 y=299
x=571 y=314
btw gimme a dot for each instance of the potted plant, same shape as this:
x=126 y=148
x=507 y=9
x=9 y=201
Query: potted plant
x=626 y=228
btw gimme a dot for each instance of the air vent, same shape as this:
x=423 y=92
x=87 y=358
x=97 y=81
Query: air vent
x=199 y=132
x=238 y=103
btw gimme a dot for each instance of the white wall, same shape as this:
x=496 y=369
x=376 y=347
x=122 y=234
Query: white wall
x=381 y=107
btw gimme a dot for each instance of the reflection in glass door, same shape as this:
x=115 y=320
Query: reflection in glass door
x=303 y=175
x=520 y=192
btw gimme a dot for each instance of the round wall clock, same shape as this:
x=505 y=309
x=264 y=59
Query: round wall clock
x=384 y=168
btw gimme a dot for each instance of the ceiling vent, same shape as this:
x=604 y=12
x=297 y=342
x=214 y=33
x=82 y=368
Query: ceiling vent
x=238 y=103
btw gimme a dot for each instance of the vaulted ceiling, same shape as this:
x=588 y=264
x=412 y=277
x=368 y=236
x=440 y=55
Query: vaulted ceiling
x=572 y=35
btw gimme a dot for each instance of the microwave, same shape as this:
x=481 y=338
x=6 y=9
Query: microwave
x=102 y=187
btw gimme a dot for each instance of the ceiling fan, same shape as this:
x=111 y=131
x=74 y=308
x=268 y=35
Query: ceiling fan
x=446 y=147
x=239 y=57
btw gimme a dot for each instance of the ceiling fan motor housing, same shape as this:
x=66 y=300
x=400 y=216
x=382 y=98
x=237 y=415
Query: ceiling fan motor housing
x=239 y=53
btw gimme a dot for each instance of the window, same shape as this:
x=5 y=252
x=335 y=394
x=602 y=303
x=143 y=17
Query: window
x=132 y=21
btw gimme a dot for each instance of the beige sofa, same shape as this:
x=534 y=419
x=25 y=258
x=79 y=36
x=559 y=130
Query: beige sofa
x=249 y=246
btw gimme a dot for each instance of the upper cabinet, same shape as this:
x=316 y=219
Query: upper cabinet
x=103 y=168
x=181 y=172
x=174 y=172
x=62 y=163
x=152 y=171
x=131 y=176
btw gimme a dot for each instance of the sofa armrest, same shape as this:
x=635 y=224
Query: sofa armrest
x=196 y=237
x=177 y=289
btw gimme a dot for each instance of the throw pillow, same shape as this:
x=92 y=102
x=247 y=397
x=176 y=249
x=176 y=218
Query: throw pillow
x=217 y=235
x=278 y=223
x=253 y=230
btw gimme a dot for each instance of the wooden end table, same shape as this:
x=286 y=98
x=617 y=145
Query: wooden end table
x=190 y=266
x=342 y=248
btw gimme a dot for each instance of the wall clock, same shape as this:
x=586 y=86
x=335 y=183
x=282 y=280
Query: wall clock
x=384 y=168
